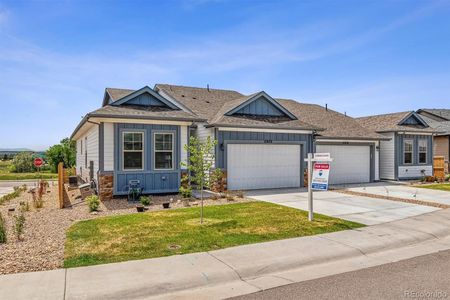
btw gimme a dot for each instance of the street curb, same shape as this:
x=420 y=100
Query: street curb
x=245 y=269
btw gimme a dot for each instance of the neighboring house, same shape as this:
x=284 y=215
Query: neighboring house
x=409 y=152
x=439 y=119
x=262 y=141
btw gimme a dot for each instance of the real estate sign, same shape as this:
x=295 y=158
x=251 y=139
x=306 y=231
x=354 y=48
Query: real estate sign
x=321 y=173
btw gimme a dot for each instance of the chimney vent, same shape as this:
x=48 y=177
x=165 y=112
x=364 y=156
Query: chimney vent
x=207 y=86
x=326 y=106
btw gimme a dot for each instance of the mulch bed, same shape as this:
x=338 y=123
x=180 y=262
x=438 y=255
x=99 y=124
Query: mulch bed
x=412 y=201
x=42 y=244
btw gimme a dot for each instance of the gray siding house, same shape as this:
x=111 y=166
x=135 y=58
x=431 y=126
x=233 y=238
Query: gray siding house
x=262 y=141
x=408 y=154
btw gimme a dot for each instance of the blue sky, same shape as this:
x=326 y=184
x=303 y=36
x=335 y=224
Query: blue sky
x=361 y=57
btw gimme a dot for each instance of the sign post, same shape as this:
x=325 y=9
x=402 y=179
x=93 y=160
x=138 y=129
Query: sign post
x=317 y=178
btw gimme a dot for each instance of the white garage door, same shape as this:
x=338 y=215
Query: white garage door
x=260 y=166
x=351 y=164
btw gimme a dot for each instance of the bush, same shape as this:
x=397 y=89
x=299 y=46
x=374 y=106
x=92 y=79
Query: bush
x=185 y=187
x=145 y=200
x=447 y=178
x=3 y=233
x=93 y=203
x=217 y=181
x=23 y=163
x=19 y=225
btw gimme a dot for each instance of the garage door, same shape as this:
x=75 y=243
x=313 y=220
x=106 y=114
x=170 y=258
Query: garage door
x=351 y=164
x=261 y=166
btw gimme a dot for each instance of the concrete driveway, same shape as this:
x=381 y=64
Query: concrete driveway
x=403 y=191
x=365 y=210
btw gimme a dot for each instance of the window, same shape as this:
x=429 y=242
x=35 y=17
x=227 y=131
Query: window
x=133 y=150
x=408 y=151
x=163 y=151
x=423 y=149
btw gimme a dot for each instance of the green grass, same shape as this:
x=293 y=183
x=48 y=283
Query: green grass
x=5 y=174
x=437 y=186
x=148 y=235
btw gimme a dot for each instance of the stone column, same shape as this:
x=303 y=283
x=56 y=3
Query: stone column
x=106 y=186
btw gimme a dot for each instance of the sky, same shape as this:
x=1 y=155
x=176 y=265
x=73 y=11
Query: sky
x=359 y=57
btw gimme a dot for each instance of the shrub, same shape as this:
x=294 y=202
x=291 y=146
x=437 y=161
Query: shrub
x=240 y=194
x=145 y=200
x=16 y=193
x=3 y=233
x=93 y=203
x=230 y=197
x=23 y=162
x=447 y=178
x=19 y=225
x=217 y=180
x=185 y=187
x=24 y=206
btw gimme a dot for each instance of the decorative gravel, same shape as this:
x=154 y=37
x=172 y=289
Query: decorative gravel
x=42 y=244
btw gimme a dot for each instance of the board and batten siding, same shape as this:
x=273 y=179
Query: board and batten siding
x=414 y=170
x=387 y=157
x=90 y=141
x=151 y=180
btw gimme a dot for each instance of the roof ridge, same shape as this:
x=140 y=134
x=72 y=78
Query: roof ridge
x=387 y=114
x=197 y=88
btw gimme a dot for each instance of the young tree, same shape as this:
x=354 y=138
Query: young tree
x=201 y=158
x=64 y=152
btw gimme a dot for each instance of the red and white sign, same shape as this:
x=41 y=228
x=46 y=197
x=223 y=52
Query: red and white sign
x=38 y=162
x=321 y=173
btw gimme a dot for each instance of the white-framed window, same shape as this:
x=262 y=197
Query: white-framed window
x=163 y=156
x=423 y=151
x=408 y=151
x=132 y=150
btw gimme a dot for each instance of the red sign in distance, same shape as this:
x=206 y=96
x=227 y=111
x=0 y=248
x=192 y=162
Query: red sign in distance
x=38 y=162
x=321 y=166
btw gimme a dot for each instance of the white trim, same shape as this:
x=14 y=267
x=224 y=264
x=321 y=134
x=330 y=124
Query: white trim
x=123 y=151
x=139 y=121
x=412 y=151
x=414 y=133
x=264 y=130
x=318 y=141
x=154 y=150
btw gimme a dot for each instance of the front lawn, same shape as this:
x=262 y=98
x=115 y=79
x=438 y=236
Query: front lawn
x=164 y=233
x=437 y=186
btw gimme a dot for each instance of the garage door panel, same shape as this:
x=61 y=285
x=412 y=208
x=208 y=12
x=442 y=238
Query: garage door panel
x=257 y=166
x=351 y=163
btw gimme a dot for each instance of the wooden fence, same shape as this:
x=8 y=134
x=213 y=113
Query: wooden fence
x=63 y=178
x=439 y=167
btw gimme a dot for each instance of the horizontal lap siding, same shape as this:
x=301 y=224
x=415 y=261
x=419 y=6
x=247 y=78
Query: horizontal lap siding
x=414 y=170
x=387 y=157
x=152 y=181
x=92 y=147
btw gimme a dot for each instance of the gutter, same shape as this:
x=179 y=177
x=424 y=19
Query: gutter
x=353 y=138
x=93 y=115
x=263 y=127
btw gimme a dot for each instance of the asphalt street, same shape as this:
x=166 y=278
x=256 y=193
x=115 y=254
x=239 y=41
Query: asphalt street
x=423 y=277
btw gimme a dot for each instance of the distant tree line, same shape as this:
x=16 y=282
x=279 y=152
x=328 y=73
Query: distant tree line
x=64 y=152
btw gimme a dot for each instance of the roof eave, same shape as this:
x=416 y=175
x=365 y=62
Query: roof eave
x=263 y=127
x=353 y=138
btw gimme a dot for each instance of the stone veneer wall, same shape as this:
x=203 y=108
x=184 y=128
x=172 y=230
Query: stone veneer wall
x=106 y=186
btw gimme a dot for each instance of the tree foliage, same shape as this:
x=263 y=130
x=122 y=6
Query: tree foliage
x=64 y=152
x=201 y=158
x=23 y=163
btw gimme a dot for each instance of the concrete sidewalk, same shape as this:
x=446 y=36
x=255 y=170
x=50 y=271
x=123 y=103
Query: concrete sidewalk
x=239 y=270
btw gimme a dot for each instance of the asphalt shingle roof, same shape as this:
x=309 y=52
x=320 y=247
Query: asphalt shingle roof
x=390 y=122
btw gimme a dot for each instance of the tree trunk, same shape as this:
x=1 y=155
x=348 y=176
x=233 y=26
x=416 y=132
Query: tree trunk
x=201 y=199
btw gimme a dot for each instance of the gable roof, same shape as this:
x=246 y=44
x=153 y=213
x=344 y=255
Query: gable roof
x=441 y=114
x=442 y=126
x=394 y=122
x=141 y=91
x=214 y=104
x=114 y=94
